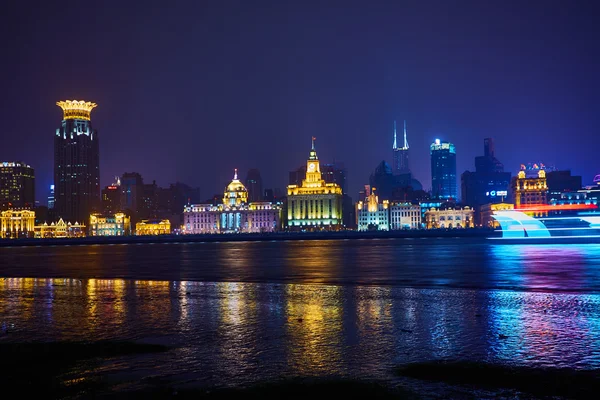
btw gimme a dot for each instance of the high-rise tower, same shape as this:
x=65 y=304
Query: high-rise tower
x=443 y=170
x=76 y=163
x=400 y=154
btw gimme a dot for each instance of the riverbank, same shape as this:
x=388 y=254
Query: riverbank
x=256 y=237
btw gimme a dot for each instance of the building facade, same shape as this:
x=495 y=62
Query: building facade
x=405 y=216
x=51 y=198
x=153 y=227
x=111 y=198
x=17 y=223
x=17 y=186
x=117 y=224
x=315 y=204
x=234 y=215
x=529 y=188
x=371 y=215
x=400 y=154
x=76 y=163
x=443 y=170
x=59 y=230
x=449 y=218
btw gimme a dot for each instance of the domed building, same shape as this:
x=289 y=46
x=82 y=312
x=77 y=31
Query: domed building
x=234 y=215
x=235 y=193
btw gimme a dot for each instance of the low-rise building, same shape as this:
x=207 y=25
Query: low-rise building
x=486 y=212
x=371 y=215
x=449 y=218
x=117 y=224
x=59 y=230
x=150 y=227
x=405 y=216
x=234 y=215
x=16 y=224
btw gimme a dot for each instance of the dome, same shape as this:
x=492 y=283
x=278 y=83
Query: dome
x=235 y=193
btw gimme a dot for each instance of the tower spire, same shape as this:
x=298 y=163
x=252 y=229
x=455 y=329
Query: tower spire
x=235 y=174
x=405 y=141
x=395 y=146
x=313 y=142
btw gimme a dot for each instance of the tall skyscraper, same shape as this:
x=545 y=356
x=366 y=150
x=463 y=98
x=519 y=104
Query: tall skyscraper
x=254 y=185
x=400 y=154
x=443 y=170
x=17 y=186
x=51 y=198
x=76 y=163
x=132 y=189
x=488 y=184
x=111 y=198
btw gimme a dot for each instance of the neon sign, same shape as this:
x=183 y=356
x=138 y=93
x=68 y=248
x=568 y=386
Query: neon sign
x=495 y=193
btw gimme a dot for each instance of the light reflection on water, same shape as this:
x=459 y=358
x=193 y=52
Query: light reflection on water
x=231 y=333
x=242 y=312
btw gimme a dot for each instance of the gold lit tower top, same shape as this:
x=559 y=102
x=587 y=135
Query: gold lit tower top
x=76 y=109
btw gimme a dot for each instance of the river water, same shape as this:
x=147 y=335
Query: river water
x=244 y=312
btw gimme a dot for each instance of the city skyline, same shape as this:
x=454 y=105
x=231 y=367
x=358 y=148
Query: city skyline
x=156 y=98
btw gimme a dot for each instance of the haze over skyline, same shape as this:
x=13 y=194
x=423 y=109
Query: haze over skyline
x=188 y=91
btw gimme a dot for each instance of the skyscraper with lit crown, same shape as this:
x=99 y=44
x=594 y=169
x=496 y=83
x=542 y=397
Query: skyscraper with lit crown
x=76 y=163
x=400 y=154
x=315 y=204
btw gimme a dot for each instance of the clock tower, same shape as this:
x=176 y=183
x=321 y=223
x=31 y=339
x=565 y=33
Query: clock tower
x=316 y=204
x=313 y=170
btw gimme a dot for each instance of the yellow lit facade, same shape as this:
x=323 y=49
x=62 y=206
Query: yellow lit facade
x=17 y=224
x=371 y=214
x=117 y=224
x=235 y=193
x=315 y=204
x=58 y=230
x=449 y=218
x=529 y=190
x=76 y=109
x=153 y=227
x=487 y=211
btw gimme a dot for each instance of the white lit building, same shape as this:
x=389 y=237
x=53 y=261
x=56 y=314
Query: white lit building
x=449 y=218
x=371 y=214
x=234 y=215
x=405 y=216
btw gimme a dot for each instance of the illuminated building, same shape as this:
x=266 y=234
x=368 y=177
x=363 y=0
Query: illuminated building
x=315 y=204
x=372 y=215
x=16 y=223
x=529 y=187
x=489 y=183
x=76 y=163
x=117 y=224
x=254 y=185
x=61 y=229
x=17 y=186
x=236 y=193
x=153 y=227
x=487 y=211
x=443 y=170
x=449 y=218
x=51 y=198
x=400 y=154
x=111 y=197
x=405 y=216
x=233 y=215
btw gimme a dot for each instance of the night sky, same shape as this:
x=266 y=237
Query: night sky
x=189 y=90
